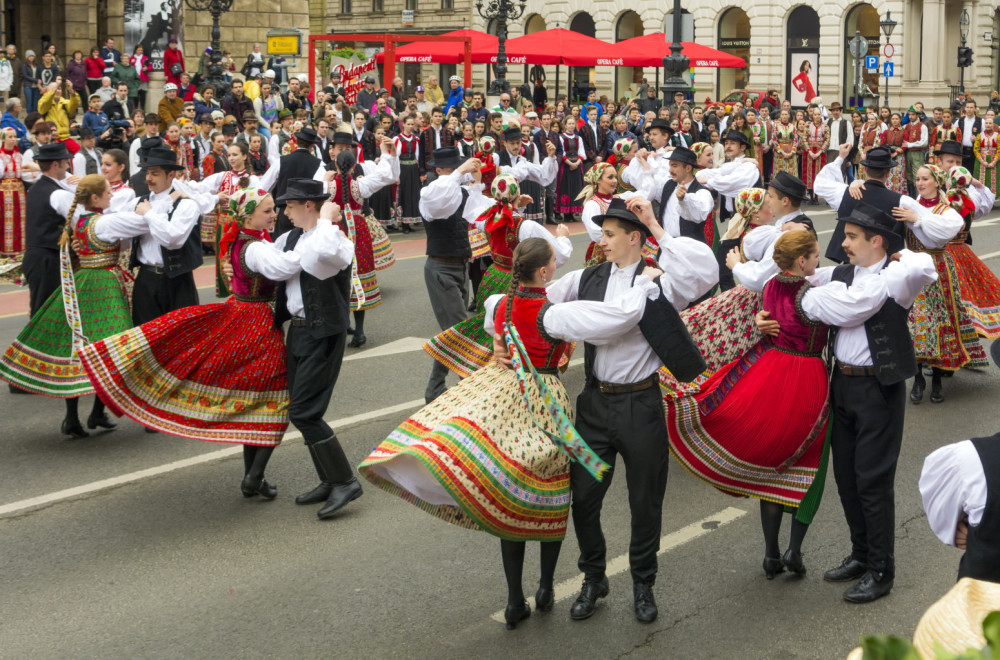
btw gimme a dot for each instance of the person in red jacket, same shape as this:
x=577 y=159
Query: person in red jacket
x=173 y=56
x=95 y=70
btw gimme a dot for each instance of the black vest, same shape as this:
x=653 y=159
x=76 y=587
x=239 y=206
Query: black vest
x=326 y=303
x=300 y=164
x=877 y=195
x=889 y=339
x=981 y=560
x=449 y=237
x=695 y=228
x=175 y=262
x=661 y=326
x=44 y=225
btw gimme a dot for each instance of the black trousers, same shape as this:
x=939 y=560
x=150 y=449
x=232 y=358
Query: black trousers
x=313 y=368
x=867 y=435
x=632 y=425
x=968 y=158
x=41 y=270
x=155 y=294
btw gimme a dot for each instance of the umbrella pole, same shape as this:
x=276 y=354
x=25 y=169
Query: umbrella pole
x=557 y=83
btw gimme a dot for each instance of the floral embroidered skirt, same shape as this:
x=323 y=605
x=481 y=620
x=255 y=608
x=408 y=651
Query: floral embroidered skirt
x=475 y=458
x=12 y=220
x=980 y=290
x=41 y=359
x=744 y=434
x=207 y=372
x=479 y=243
x=570 y=184
x=364 y=257
x=382 y=252
x=943 y=333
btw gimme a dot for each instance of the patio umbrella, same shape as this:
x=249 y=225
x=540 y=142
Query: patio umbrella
x=650 y=49
x=562 y=46
x=447 y=52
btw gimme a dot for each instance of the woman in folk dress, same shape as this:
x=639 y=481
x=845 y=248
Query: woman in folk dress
x=12 y=196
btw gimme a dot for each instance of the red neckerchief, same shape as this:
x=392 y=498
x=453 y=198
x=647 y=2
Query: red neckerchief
x=604 y=198
x=232 y=232
x=928 y=203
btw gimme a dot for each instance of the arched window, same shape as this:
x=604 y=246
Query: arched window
x=582 y=77
x=861 y=19
x=802 y=59
x=627 y=78
x=734 y=38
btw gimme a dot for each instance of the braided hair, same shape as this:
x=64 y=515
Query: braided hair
x=89 y=186
x=529 y=255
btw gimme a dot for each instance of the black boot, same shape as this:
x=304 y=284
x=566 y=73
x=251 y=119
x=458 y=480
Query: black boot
x=345 y=486
x=937 y=395
x=917 y=391
x=320 y=492
x=359 y=330
x=99 y=418
x=71 y=424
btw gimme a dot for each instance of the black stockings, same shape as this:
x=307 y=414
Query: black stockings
x=255 y=460
x=512 y=554
x=72 y=407
x=770 y=522
x=359 y=323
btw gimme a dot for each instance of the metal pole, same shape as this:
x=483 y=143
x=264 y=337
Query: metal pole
x=961 y=78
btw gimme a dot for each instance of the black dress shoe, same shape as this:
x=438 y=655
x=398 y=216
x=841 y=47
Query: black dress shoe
x=793 y=562
x=358 y=341
x=251 y=487
x=937 y=396
x=340 y=496
x=850 y=569
x=149 y=430
x=869 y=589
x=515 y=614
x=583 y=606
x=74 y=428
x=773 y=566
x=917 y=391
x=104 y=421
x=645 y=604
x=545 y=598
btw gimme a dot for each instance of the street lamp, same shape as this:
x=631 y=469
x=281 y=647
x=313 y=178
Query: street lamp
x=502 y=11
x=676 y=63
x=216 y=8
x=963 y=32
x=888 y=25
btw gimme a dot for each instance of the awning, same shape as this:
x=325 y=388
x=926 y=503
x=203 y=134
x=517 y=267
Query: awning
x=650 y=49
x=484 y=46
x=561 y=46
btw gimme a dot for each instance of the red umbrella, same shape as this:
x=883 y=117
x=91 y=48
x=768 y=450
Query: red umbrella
x=447 y=52
x=650 y=49
x=562 y=46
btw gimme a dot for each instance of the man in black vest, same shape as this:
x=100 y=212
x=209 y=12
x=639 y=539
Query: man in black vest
x=830 y=186
x=300 y=164
x=685 y=204
x=448 y=206
x=734 y=176
x=620 y=410
x=868 y=397
x=960 y=487
x=784 y=197
x=167 y=256
x=316 y=301
x=46 y=210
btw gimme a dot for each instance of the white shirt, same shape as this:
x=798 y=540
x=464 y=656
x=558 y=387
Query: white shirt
x=586 y=320
x=966 y=127
x=522 y=169
x=689 y=271
x=80 y=162
x=835 y=133
x=323 y=251
x=166 y=231
x=648 y=182
x=952 y=485
x=561 y=245
x=731 y=179
x=441 y=198
x=903 y=281
x=694 y=208
x=758 y=248
x=982 y=197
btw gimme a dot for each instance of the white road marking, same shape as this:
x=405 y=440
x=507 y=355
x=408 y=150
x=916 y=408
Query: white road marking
x=404 y=345
x=669 y=542
x=21 y=506
x=990 y=255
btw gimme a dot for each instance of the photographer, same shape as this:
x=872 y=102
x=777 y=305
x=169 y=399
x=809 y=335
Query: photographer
x=120 y=106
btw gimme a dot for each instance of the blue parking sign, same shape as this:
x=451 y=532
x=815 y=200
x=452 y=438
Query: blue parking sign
x=887 y=69
x=871 y=62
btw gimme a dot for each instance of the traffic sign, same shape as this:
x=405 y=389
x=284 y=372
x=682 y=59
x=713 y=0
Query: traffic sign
x=889 y=50
x=871 y=62
x=887 y=69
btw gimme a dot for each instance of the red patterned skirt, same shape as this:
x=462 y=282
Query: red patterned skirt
x=207 y=372
x=980 y=290
x=364 y=256
x=744 y=434
x=12 y=222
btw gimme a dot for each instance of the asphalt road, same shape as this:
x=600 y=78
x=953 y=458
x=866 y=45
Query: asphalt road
x=133 y=545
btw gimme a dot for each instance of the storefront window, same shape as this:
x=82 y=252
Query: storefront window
x=862 y=19
x=734 y=38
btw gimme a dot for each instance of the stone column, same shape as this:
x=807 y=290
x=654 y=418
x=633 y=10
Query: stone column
x=930 y=57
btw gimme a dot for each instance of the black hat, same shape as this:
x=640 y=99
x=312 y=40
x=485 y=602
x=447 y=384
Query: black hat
x=230 y=129
x=683 y=155
x=662 y=124
x=868 y=217
x=447 y=158
x=880 y=158
x=303 y=189
x=512 y=133
x=618 y=210
x=789 y=184
x=736 y=136
x=950 y=147
x=308 y=135
x=54 y=151
x=342 y=137
x=161 y=156
x=205 y=117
